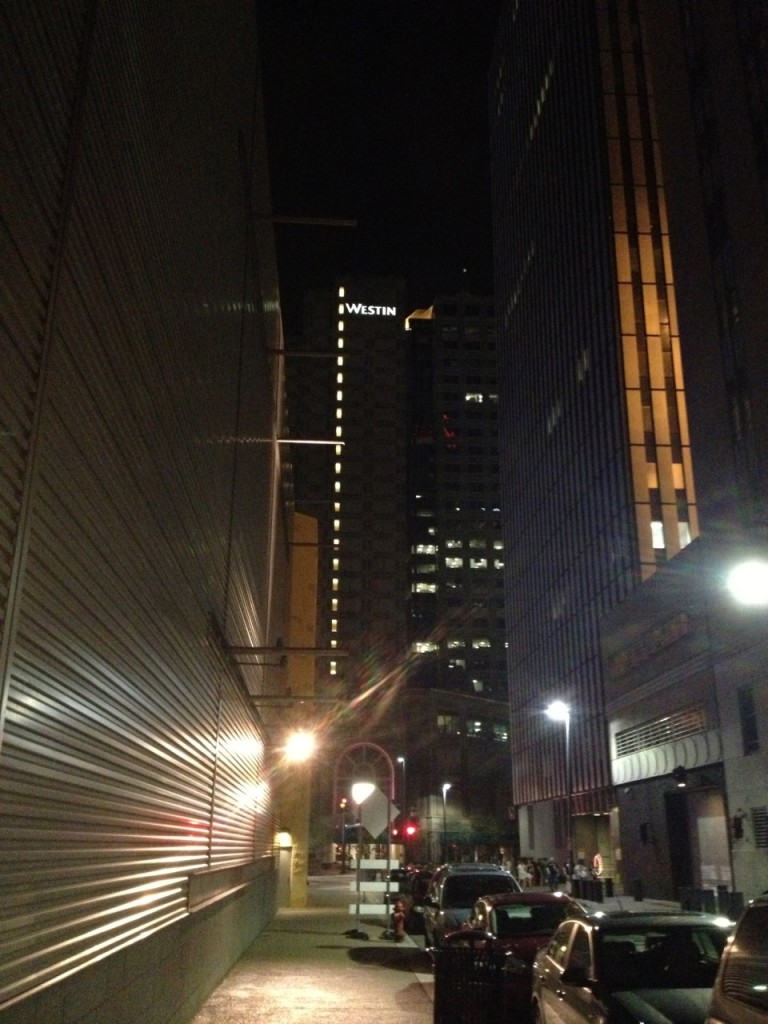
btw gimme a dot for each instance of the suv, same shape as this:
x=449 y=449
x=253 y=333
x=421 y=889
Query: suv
x=740 y=995
x=453 y=892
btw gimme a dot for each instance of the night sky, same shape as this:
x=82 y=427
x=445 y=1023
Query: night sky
x=377 y=111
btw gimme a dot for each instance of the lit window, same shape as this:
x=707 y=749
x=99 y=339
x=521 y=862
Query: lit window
x=338 y=431
x=474 y=727
x=657 y=535
x=424 y=647
x=452 y=645
x=339 y=378
x=341 y=325
x=454 y=563
x=424 y=588
x=684 y=532
x=425 y=549
x=339 y=396
x=335 y=583
x=339 y=360
x=342 y=292
x=498 y=545
x=334 y=625
x=498 y=563
x=334 y=604
x=337 y=486
x=478 y=563
x=456 y=663
x=453 y=543
x=500 y=732
x=341 y=309
x=335 y=565
x=337 y=506
x=337 y=524
x=338 y=450
x=338 y=414
x=473 y=396
x=478 y=685
x=448 y=724
x=481 y=643
x=340 y=344
x=332 y=669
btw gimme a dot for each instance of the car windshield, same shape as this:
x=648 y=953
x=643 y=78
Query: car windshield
x=461 y=891
x=529 y=919
x=660 y=956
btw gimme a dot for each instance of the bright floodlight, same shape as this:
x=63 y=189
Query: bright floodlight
x=558 y=711
x=361 y=791
x=748 y=583
x=300 y=745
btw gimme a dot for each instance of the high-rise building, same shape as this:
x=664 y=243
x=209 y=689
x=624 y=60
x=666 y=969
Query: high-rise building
x=411 y=559
x=457 y=726
x=629 y=259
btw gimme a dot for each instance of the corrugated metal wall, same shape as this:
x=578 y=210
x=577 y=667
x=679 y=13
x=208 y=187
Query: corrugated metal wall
x=135 y=532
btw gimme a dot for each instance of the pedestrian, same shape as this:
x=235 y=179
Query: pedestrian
x=523 y=875
x=581 y=870
x=553 y=874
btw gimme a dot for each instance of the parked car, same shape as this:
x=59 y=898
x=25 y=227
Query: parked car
x=453 y=892
x=518 y=924
x=629 y=967
x=413 y=893
x=740 y=994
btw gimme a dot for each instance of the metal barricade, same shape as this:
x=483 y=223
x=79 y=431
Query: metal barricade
x=469 y=985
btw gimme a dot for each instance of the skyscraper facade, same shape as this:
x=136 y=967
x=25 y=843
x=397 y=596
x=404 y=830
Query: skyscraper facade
x=630 y=254
x=596 y=470
x=457 y=725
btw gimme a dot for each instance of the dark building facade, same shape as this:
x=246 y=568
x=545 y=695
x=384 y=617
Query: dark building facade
x=457 y=727
x=630 y=301
x=144 y=527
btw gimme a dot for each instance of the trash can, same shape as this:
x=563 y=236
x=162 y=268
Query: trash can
x=469 y=984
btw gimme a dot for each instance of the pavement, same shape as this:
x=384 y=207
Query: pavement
x=310 y=966
x=320 y=965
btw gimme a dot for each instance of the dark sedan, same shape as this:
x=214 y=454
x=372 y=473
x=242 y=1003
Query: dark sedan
x=624 y=967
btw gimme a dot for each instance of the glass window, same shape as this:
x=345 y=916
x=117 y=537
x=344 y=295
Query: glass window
x=448 y=724
x=750 y=740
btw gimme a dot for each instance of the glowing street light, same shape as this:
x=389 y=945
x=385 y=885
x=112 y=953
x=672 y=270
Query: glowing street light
x=300 y=746
x=748 y=583
x=403 y=795
x=559 y=711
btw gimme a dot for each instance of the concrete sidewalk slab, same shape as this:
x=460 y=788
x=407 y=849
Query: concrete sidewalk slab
x=308 y=967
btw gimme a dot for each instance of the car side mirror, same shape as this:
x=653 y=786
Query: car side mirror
x=575 y=976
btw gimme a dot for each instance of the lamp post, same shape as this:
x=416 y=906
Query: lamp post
x=559 y=711
x=446 y=787
x=404 y=795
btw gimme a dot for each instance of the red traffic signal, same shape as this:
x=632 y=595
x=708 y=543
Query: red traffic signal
x=411 y=829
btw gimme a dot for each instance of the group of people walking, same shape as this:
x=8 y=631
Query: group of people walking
x=535 y=873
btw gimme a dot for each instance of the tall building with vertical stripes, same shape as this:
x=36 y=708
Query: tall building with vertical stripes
x=597 y=476
x=629 y=183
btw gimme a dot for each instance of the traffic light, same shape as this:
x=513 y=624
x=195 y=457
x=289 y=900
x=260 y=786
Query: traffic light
x=411 y=829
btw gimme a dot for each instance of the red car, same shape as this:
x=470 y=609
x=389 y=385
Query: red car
x=517 y=926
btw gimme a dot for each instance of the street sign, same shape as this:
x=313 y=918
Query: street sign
x=376 y=813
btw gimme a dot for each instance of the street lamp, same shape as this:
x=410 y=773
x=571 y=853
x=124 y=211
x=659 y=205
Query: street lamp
x=748 y=582
x=559 y=711
x=405 y=809
x=446 y=787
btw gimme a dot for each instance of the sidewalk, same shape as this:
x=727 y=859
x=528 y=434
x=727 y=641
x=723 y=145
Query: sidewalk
x=305 y=969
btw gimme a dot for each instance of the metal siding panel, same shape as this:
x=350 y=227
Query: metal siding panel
x=131 y=757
